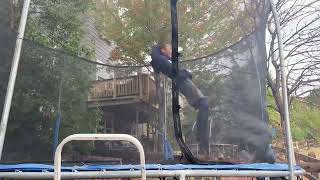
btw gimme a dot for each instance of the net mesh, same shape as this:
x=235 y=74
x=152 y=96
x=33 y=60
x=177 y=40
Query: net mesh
x=234 y=82
x=54 y=83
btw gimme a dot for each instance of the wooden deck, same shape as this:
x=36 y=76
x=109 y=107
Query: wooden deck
x=127 y=90
x=310 y=164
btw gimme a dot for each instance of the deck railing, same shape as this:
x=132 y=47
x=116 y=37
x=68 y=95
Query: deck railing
x=141 y=86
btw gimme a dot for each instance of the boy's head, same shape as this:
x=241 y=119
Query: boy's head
x=166 y=49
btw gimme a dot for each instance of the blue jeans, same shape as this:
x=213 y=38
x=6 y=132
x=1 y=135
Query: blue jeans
x=200 y=102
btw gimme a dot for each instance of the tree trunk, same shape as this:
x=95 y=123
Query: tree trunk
x=279 y=103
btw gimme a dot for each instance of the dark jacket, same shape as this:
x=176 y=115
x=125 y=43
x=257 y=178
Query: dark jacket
x=161 y=63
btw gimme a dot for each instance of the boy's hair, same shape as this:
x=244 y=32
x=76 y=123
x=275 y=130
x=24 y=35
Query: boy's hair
x=163 y=45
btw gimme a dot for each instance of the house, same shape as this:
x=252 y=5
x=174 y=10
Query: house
x=128 y=102
x=102 y=48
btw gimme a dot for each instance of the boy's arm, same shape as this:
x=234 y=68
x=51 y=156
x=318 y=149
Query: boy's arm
x=162 y=64
x=165 y=66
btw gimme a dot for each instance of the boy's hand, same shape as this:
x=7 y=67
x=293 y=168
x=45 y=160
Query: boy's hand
x=186 y=73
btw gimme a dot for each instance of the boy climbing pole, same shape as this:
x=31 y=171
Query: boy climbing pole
x=161 y=56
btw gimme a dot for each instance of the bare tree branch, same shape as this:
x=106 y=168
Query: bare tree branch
x=300 y=22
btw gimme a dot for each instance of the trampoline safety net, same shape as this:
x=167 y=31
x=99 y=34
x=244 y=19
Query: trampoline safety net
x=85 y=68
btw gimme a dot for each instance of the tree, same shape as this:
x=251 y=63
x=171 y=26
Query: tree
x=300 y=23
x=304 y=119
x=135 y=26
x=52 y=26
x=313 y=97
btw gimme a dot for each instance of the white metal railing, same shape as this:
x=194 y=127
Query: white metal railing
x=290 y=151
x=13 y=73
x=151 y=174
x=95 y=137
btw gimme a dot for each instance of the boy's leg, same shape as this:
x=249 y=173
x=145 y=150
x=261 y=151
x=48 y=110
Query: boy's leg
x=197 y=100
x=203 y=125
x=190 y=91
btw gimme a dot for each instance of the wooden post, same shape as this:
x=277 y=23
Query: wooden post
x=140 y=85
x=148 y=89
x=105 y=89
x=114 y=87
x=137 y=122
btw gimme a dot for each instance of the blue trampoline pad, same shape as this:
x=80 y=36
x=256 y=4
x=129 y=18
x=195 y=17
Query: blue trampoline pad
x=50 y=168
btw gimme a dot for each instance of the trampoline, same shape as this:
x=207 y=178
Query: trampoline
x=181 y=171
x=43 y=171
x=236 y=70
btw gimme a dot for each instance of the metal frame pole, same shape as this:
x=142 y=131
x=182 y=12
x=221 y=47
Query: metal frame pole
x=13 y=74
x=165 y=108
x=291 y=157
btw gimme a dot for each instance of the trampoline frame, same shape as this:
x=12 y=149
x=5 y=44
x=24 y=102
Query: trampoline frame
x=181 y=174
x=150 y=173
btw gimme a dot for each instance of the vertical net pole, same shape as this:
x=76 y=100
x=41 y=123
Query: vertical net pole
x=58 y=120
x=165 y=106
x=175 y=63
x=175 y=91
x=13 y=74
x=291 y=157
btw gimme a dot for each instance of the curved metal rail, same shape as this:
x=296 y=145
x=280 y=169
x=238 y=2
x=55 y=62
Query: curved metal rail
x=98 y=137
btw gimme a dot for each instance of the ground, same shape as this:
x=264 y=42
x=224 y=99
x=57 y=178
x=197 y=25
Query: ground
x=315 y=150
